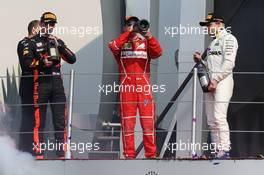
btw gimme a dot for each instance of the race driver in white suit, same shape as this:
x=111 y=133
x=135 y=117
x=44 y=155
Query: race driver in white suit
x=220 y=61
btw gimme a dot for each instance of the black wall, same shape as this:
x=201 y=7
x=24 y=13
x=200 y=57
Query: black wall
x=246 y=17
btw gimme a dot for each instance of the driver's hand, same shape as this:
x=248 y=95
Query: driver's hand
x=148 y=34
x=197 y=56
x=213 y=85
x=53 y=37
x=131 y=28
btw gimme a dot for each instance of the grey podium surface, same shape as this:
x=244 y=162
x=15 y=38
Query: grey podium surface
x=149 y=167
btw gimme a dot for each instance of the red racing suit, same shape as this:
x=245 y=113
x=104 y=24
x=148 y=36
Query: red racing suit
x=133 y=52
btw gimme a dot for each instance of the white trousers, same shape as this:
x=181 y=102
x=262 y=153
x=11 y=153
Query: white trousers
x=216 y=105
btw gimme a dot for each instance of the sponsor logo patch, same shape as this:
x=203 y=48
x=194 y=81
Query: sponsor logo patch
x=141 y=46
x=134 y=54
x=39 y=44
x=128 y=46
x=25 y=51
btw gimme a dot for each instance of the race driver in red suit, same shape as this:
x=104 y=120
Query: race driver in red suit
x=133 y=51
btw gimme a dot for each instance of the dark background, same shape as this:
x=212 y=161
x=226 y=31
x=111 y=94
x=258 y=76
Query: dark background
x=246 y=19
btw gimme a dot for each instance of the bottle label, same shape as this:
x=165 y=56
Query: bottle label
x=53 y=52
x=203 y=81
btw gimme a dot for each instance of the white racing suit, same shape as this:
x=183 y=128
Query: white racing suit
x=220 y=61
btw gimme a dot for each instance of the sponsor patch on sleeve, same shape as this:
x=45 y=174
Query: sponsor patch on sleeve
x=25 y=51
